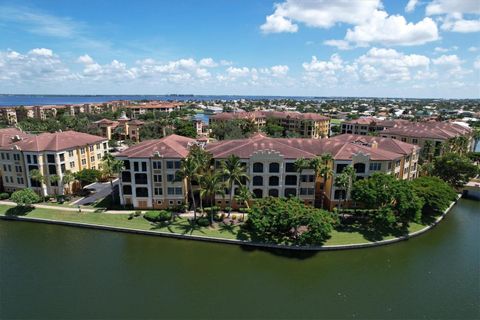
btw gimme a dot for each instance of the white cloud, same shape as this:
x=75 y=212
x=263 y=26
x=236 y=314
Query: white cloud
x=339 y=44
x=411 y=5
x=208 y=63
x=85 y=59
x=437 y=7
x=440 y=49
x=41 y=52
x=476 y=63
x=279 y=70
x=456 y=23
x=473 y=49
x=318 y=13
x=392 y=30
x=451 y=60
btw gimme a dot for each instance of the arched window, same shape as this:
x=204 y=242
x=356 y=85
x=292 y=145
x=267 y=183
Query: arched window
x=141 y=192
x=258 y=193
x=126 y=176
x=274 y=167
x=290 y=192
x=359 y=167
x=273 y=193
x=258 y=167
x=257 y=181
x=273 y=181
x=141 y=178
x=127 y=190
x=290 y=180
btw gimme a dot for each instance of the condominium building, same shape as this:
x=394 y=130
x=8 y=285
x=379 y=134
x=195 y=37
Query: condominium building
x=369 y=125
x=148 y=180
x=305 y=125
x=152 y=106
x=50 y=153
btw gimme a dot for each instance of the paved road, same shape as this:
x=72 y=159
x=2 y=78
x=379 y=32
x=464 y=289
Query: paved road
x=101 y=191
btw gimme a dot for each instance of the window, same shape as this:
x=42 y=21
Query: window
x=178 y=191
x=18 y=169
x=274 y=167
x=7 y=155
x=29 y=158
x=62 y=167
x=16 y=157
x=359 y=167
x=307 y=178
x=157 y=178
x=341 y=167
x=126 y=176
x=62 y=157
x=273 y=181
x=105 y=146
x=170 y=202
x=415 y=141
x=72 y=164
x=170 y=191
x=307 y=191
x=35 y=159
x=126 y=164
x=99 y=156
x=339 y=194
x=290 y=167
x=82 y=151
x=177 y=164
x=397 y=163
x=169 y=164
x=135 y=166
x=91 y=148
x=258 y=193
x=258 y=167
x=375 y=166
x=52 y=169
x=5 y=167
x=404 y=139
x=170 y=177
x=84 y=162
x=19 y=180
x=92 y=159
x=98 y=146
x=144 y=166
x=70 y=153
x=273 y=193
x=141 y=178
x=290 y=192
x=257 y=181
x=157 y=165
x=159 y=202
x=54 y=183
x=50 y=158
x=3 y=156
x=141 y=192
x=389 y=165
x=290 y=180
x=158 y=191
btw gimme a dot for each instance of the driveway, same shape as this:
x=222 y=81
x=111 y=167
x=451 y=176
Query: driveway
x=101 y=191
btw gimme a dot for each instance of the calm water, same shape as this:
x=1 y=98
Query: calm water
x=62 y=272
x=27 y=100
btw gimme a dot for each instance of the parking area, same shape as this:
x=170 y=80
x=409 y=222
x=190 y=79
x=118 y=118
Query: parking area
x=99 y=190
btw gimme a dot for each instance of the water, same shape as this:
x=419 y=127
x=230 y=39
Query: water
x=49 y=271
x=28 y=100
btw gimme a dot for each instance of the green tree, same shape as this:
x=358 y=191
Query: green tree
x=111 y=168
x=187 y=172
x=54 y=179
x=300 y=165
x=344 y=182
x=211 y=184
x=455 y=169
x=87 y=176
x=185 y=128
x=436 y=194
x=321 y=166
x=273 y=129
x=234 y=173
x=25 y=197
x=37 y=176
x=243 y=196
x=68 y=178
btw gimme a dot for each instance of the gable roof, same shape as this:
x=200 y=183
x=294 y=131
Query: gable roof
x=172 y=146
x=432 y=130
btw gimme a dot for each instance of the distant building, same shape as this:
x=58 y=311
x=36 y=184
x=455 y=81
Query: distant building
x=305 y=125
x=51 y=153
x=143 y=108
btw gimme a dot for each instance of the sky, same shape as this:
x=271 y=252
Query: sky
x=389 y=48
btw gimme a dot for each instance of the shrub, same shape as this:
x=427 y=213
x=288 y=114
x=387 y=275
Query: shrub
x=25 y=197
x=4 y=196
x=217 y=217
x=157 y=216
x=228 y=209
x=138 y=213
x=203 y=222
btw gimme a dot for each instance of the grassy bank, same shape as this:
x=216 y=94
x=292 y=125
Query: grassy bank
x=182 y=226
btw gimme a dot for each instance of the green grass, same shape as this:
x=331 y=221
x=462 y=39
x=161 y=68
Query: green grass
x=180 y=225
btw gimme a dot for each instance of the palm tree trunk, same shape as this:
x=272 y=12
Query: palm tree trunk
x=193 y=200
x=323 y=192
x=231 y=199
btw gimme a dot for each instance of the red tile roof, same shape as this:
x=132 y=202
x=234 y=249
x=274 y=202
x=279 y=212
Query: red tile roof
x=54 y=141
x=431 y=130
x=7 y=134
x=107 y=122
x=172 y=146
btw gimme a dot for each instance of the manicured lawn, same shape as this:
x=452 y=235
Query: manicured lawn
x=180 y=226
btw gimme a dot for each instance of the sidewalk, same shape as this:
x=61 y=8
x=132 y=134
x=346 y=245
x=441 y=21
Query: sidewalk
x=72 y=209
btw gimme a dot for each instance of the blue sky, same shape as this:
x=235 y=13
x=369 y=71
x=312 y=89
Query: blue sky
x=410 y=48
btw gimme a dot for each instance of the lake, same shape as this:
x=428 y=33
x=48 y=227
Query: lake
x=49 y=271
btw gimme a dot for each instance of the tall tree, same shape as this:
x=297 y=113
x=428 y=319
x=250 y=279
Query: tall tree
x=300 y=165
x=54 y=179
x=244 y=196
x=37 y=176
x=344 y=182
x=234 y=173
x=211 y=184
x=68 y=178
x=111 y=168
x=187 y=172
x=455 y=169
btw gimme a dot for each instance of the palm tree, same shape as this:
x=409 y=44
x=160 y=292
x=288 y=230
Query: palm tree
x=427 y=150
x=233 y=172
x=300 y=165
x=325 y=172
x=54 y=179
x=211 y=184
x=244 y=195
x=204 y=161
x=111 y=167
x=36 y=175
x=68 y=178
x=344 y=182
x=188 y=172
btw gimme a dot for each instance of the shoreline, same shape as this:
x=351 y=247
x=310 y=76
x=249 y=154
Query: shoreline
x=234 y=241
